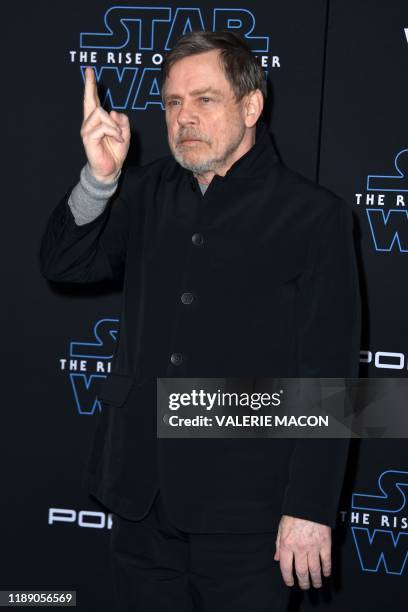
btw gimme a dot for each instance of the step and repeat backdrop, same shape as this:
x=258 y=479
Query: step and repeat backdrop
x=338 y=102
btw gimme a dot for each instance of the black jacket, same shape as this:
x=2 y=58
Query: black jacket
x=268 y=258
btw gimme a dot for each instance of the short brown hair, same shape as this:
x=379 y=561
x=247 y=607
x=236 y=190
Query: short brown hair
x=240 y=66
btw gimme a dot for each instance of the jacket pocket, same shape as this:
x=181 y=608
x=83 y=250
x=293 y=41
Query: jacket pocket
x=115 y=389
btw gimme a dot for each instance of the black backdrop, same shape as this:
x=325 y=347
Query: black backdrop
x=339 y=88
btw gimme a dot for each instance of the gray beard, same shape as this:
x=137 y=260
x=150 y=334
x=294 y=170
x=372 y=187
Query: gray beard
x=212 y=164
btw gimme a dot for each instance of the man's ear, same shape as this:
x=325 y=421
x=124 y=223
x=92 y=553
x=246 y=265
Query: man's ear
x=253 y=107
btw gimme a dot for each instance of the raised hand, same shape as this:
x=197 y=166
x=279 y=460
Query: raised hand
x=105 y=136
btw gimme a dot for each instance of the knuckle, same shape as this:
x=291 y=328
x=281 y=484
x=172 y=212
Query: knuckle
x=302 y=575
x=285 y=567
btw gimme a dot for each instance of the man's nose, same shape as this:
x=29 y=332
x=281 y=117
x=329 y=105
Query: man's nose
x=186 y=115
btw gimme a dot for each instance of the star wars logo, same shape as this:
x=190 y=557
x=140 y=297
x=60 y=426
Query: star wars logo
x=88 y=363
x=385 y=202
x=127 y=51
x=379 y=525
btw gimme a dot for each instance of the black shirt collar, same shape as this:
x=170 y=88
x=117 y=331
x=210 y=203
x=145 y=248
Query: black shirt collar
x=254 y=163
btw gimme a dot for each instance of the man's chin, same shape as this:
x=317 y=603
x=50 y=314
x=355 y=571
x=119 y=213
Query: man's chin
x=194 y=163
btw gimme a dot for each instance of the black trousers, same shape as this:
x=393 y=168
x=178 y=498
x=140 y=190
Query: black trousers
x=158 y=568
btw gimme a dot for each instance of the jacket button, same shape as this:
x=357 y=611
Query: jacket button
x=187 y=298
x=176 y=358
x=197 y=239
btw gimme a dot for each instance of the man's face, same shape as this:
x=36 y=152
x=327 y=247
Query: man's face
x=205 y=123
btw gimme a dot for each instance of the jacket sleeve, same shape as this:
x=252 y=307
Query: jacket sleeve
x=328 y=347
x=94 y=251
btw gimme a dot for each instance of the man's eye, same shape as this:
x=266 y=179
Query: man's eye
x=205 y=99
x=173 y=103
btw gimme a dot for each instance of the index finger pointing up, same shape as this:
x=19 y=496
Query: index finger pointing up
x=91 y=98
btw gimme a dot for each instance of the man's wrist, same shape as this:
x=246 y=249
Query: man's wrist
x=99 y=181
x=89 y=197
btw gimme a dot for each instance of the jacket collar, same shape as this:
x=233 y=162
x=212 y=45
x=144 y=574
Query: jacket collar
x=255 y=163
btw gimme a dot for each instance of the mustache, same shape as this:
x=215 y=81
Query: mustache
x=190 y=134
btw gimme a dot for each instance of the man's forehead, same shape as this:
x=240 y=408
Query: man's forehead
x=195 y=73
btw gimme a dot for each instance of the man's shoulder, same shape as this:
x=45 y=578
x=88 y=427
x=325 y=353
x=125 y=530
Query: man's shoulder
x=311 y=196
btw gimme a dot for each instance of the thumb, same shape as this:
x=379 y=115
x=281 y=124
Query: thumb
x=276 y=556
x=120 y=118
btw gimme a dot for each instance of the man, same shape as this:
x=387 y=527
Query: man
x=233 y=265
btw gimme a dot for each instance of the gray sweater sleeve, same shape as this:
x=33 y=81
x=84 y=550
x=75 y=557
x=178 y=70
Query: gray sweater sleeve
x=90 y=196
